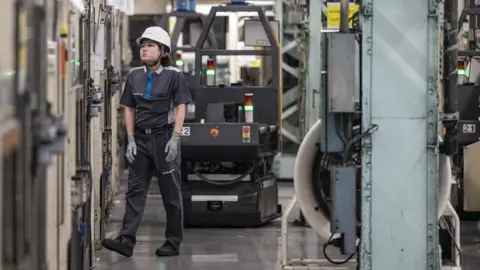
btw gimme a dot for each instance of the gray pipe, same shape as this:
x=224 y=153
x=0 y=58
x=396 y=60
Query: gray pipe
x=344 y=11
x=450 y=79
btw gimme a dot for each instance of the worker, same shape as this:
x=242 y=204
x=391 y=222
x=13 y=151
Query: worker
x=154 y=99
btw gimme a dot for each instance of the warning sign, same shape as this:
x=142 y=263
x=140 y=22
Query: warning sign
x=333 y=14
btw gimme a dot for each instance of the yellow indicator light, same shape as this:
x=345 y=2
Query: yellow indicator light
x=64 y=31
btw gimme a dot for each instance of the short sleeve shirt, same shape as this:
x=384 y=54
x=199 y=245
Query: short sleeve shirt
x=155 y=95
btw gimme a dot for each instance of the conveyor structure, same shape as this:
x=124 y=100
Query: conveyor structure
x=227 y=152
x=379 y=156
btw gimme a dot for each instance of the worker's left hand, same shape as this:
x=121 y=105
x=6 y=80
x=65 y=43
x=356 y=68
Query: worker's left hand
x=172 y=147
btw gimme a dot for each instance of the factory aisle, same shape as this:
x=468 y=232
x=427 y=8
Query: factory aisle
x=208 y=249
x=233 y=249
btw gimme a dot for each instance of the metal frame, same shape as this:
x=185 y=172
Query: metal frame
x=453 y=216
x=294 y=42
x=298 y=263
x=466 y=12
x=203 y=93
x=182 y=17
x=98 y=75
x=273 y=50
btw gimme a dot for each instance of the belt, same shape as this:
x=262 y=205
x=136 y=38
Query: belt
x=149 y=131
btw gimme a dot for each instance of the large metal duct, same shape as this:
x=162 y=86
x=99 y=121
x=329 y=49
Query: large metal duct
x=304 y=189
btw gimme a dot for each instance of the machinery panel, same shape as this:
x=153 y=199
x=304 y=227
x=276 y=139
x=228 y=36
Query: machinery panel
x=334 y=143
x=344 y=206
x=341 y=73
x=265 y=101
x=469 y=101
x=222 y=141
x=220 y=134
x=471 y=177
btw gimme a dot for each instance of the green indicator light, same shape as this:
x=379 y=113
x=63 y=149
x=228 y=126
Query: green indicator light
x=9 y=73
x=179 y=63
x=248 y=108
x=210 y=72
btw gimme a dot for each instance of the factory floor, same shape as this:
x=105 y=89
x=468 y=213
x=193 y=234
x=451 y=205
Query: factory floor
x=234 y=249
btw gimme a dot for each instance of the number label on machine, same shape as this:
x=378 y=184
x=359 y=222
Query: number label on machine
x=469 y=128
x=185 y=131
x=246 y=134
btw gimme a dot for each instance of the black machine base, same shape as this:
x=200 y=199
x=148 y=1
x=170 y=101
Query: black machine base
x=243 y=204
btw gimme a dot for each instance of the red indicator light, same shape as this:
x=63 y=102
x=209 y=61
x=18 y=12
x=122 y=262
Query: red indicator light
x=210 y=64
x=246 y=129
x=214 y=132
x=461 y=64
x=248 y=100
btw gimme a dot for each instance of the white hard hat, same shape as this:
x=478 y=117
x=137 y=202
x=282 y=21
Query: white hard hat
x=156 y=34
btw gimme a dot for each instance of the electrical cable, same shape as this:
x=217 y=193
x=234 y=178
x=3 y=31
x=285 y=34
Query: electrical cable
x=349 y=145
x=330 y=260
x=339 y=129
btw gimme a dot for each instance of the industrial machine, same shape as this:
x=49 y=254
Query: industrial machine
x=379 y=156
x=467 y=175
x=60 y=146
x=227 y=152
x=32 y=137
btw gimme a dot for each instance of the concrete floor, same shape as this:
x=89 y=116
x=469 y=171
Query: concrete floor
x=233 y=249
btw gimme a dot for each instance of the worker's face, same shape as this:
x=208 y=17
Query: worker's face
x=149 y=51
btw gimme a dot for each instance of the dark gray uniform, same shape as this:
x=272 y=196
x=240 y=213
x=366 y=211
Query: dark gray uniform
x=155 y=97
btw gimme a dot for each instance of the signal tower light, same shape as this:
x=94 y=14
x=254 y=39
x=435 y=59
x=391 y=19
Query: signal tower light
x=248 y=108
x=210 y=67
x=461 y=67
x=248 y=102
x=179 y=61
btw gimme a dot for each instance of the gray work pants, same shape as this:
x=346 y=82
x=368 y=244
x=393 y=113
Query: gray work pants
x=150 y=160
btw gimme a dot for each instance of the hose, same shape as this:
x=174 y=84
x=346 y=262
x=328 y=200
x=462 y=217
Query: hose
x=330 y=260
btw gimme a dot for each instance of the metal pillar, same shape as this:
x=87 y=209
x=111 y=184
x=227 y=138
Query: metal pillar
x=294 y=60
x=316 y=66
x=400 y=78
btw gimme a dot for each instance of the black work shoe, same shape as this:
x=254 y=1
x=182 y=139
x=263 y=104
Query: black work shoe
x=166 y=250
x=118 y=246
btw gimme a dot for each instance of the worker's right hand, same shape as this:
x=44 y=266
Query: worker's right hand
x=131 y=149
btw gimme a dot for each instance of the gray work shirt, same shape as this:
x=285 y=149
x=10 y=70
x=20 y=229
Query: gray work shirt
x=155 y=95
